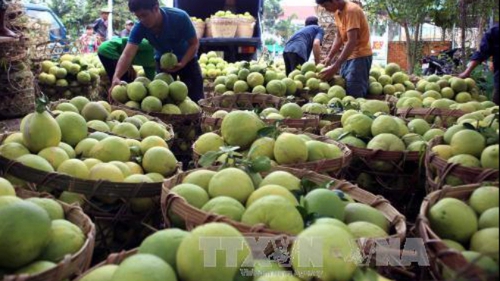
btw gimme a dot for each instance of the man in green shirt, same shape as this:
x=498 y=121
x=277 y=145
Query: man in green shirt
x=110 y=52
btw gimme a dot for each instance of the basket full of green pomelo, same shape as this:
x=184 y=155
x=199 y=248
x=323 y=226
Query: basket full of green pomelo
x=280 y=201
x=249 y=136
x=174 y=254
x=290 y=115
x=42 y=239
x=241 y=101
x=113 y=120
x=464 y=155
x=459 y=226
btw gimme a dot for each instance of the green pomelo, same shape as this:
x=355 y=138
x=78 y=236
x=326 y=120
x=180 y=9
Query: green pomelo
x=144 y=267
x=95 y=111
x=468 y=142
x=419 y=126
x=276 y=213
x=126 y=130
x=240 y=128
x=13 y=150
x=106 y=172
x=262 y=147
x=191 y=256
x=325 y=203
x=24 y=233
x=151 y=128
x=151 y=104
x=178 y=91
x=271 y=190
x=200 y=178
x=52 y=208
x=54 y=155
x=225 y=206
x=164 y=244
x=290 y=149
x=208 y=142
x=119 y=94
x=75 y=168
x=454 y=245
x=484 y=198
x=489 y=218
x=486 y=242
x=40 y=130
x=385 y=125
x=103 y=273
x=6 y=188
x=490 y=158
x=158 y=89
x=282 y=178
x=233 y=183
x=136 y=91
x=36 y=268
x=160 y=160
x=111 y=149
x=366 y=230
x=356 y=212
x=359 y=125
x=84 y=147
x=66 y=239
x=317 y=151
x=335 y=247
x=150 y=142
x=452 y=219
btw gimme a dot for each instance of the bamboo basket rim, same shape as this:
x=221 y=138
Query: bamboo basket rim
x=428 y=112
x=434 y=244
x=213 y=104
x=90 y=188
x=370 y=154
x=130 y=112
x=71 y=264
x=470 y=175
x=173 y=119
x=195 y=217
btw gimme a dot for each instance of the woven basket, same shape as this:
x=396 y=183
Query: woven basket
x=200 y=29
x=17 y=103
x=245 y=101
x=11 y=125
x=195 y=217
x=309 y=123
x=438 y=169
x=223 y=28
x=447 y=116
x=71 y=265
x=15 y=50
x=402 y=184
x=246 y=28
x=56 y=93
x=130 y=112
x=208 y=28
x=441 y=255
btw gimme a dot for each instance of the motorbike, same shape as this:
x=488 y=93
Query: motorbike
x=443 y=63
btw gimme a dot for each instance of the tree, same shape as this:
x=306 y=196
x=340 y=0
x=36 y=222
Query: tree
x=272 y=11
x=411 y=15
x=286 y=28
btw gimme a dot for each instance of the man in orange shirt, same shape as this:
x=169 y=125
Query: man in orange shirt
x=353 y=44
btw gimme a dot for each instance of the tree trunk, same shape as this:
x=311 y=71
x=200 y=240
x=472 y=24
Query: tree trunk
x=443 y=34
x=481 y=27
x=463 y=26
x=408 y=49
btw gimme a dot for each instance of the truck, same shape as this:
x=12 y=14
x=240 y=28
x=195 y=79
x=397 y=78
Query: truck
x=234 y=49
x=57 y=29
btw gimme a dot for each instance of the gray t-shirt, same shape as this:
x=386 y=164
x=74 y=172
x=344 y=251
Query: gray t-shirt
x=301 y=42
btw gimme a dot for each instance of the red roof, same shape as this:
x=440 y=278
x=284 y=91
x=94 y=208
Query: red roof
x=303 y=12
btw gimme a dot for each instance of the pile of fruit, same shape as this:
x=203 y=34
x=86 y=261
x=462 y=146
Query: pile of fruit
x=34 y=233
x=244 y=130
x=63 y=144
x=470 y=227
x=71 y=76
x=212 y=66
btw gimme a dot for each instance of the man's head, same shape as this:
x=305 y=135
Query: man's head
x=331 y=5
x=129 y=24
x=311 y=21
x=105 y=14
x=147 y=11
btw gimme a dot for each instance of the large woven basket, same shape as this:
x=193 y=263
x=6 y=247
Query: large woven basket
x=200 y=29
x=130 y=112
x=441 y=255
x=195 y=217
x=448 y=116
x=208 y=29
x=223 y=28
x=56 y=93
x=244 y=101
x=309 y=123
x=246 y=28
x=71 y=265
x=438 y=169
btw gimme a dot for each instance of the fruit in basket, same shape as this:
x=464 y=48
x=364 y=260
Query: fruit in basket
x=168 y=61
x=489 y=157
x=468 y=142
x=144 y=267
x=366 y=230
x=40 y=130
x=200 y=178
x=94 y=111
x=191 y=261
x=326 y=203
x=106 y=172
x=151 y=104
x=151 y=128
x=13 y=150
x=103 y=273
x=262 y=147
x=486 y=242
x=73 y=127
x=291 y=110
x=317 y=150
x=385 y=125
x=119 y=94
x=36 y=268
x=453 y=219
x=355 y=212
x=359 y=125
x=189 y=107
x=271 y=190
x=290 y=149
x=75 y=168
x=489 y=218
x=225 y=206
x=276 y=213
x=276 y=88
x=111 y=149
x=223 y=184
x=484 y=198
x=240 y=128
x=208 y=142
x=282 y=178
x=327 y=239
x=54 y=155
x=23 y=239
x=136 y=91
x=164 y=244
x=255 y=79
x=159 y=160
x=66 y=239
x=178 y=91
x=6 y=188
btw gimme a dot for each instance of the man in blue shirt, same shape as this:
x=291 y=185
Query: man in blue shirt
x=490 y=46
x=167 y=30
x=101 y=24
x=299 y=47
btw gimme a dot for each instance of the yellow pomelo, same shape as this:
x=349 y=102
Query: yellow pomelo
x=200 y=178
x=191 y=258
x=111 y=149
x=240 y=128
x=262 y=147
x=282 y=178
x=6 y=188
x=225 y=206
x=123 y=168
x=84 y=147
x=271 y=190
x=152 y=141
x=208 y=142
x=135 y=169
x=231 y=182
x=91 y=162
x=443 y=151
x=54 y=155
x=107 y=172
x=159 y=160
x=13 y=150
x=290 y=149
x=40 y=130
